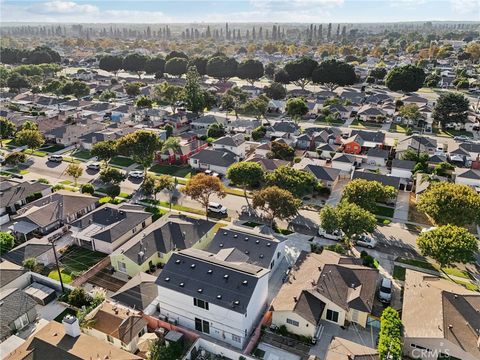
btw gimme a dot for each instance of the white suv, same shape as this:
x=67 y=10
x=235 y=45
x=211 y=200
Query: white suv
x=217 y=208
x=136 y=174
x=55 y=158
x=94 y=166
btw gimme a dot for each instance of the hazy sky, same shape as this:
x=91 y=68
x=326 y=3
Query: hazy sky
x=161 y=11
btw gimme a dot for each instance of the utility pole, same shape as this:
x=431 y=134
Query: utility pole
x=58 y=267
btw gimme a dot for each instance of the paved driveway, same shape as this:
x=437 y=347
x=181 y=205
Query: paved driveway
x=337 y=192
x=402 y=206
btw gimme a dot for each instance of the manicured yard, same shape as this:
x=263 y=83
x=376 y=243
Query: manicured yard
x=156 y=212
x=399 y=273
x=121 y=161
x=66 y=182
x=173 y=170
x=334 y=122
x=35 y=152
x=398 y=128
x=428 y=266
x=67 y=279
x=417 y=263
x=363 y=125
x=52 y=148
x=384 y=211
x=77 y=259
x=82 y=154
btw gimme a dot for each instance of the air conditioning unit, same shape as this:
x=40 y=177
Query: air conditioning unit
x=172 y=321
x=162 y=317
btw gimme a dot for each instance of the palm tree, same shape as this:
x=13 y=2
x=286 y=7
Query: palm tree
x=172 y=143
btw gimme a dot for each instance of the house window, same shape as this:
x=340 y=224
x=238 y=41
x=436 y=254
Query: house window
x=236 y=338
x=109 y=339
x=122 y=267
x=273 y=263
x=200 y=303
x=278 y=255
x=332 y=315
x=21 y=322
x=202 y=326
x=355 y=315
x=143 y=224
x=141 y=333
x=292 y=322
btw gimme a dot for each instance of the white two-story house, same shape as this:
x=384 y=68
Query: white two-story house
x=234 y=143
x=202 y=292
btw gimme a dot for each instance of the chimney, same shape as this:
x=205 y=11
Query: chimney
x=71 y=326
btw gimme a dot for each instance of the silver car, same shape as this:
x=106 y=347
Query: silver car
x=385 y=291
x=365 y=241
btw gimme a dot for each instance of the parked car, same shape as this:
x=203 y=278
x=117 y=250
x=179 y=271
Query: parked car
x=461 y=138
x=55 y=158
x=217 y=208
x=94 y=166
x=136 y=174
x=366 y=241
x=335 y=235
x=212 y=173
x=385 y=291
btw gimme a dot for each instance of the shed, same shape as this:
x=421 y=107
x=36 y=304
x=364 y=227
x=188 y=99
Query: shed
x=40 y=293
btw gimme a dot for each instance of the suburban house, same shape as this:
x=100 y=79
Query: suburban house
x=342 y=111
x=402 y=168
x=343 y=349
x=377 y=156
x=38 y=249
x=325 y=287
x=267 y=164
x=386 y=180
x=13 y=275
x=468 y=177
x=199 y=291
x=51 y=212
x=70 y=134
x=155 y=244
x=372 y=113
x=138 y=293
x=251 y=246
x=326 y=151
x=203 y=122
x=66 y=341
x=417 y=143
x=188 y=148
x=344 y=162
x=234 y=143
x=439 y=317
x=110 y=134
x=215 y=160
x=18 y=310
x=118 y=325
x=109 y=227
x=327 y=176
x=414 y=99
x=14 y=194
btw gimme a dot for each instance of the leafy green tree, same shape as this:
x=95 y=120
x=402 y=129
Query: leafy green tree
x=277 y=203
x=201 y=187
x=160 y=351
x=256 y=107
x=350 y=218
x=259 y=133
x=78 y=297
x=378 y=73
x=32 y=139
x=276 y=91
x=104 y=150
x=215 y=131
x=7 y=242
x=111 y=63
x=410 y=112
x=227 y=103
x=7 y=129
x=367 y=193
x=448 y=203
x=250 y=70
x=451 y=108
x=300 y=71
x=245 y=174
x=176 y=54
x=144 y=102
x=148 y=185
x=113 y=191
x=75 y=171
x=107 y=95
x=390 y=337
x=164 y=182
x=297 y=182
x=296 y=107
x=270 y=70
x=222 y=68
x=30 y=264
x=87 y=189
x=29 y=125
x=155 y=65
x=169 y=129
x=76 y=88
x=15 y=158
x=193 y=93
x=448 y=244
x=170 y=94
x=141 y=146
x=406 y=78
x=333 y=73
x=111 y=175
x=176 y=66
x=200 y=63
x=132 y=89
x=17 y=82
x=135 y=63
x=281 y=76
x=280 y=150
x=443 y=169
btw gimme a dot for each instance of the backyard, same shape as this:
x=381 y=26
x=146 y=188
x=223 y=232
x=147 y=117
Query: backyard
x=76 y=260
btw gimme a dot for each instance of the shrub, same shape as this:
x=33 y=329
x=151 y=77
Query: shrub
x=33 y=197
x=282 y=330
x=78 y=298
x=336 y=248
x=44 y=181
x=87 y=189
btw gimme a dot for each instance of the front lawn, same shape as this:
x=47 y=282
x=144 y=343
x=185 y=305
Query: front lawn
x=121 y=161
x=77 y=259
x=172 y=170
x=418 y=263
x=52 y=148
x=35 y=152
x=385 y=211
x=82 y=154
x=334 y=122
x=364 y=125
x=451 y=133
x=399 y=273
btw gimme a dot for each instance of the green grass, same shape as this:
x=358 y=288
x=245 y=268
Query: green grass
x=399 y=273
x=384 y=211
x=398 y=128
x=364 y=125
x=418 y=263
x=67 y=279
x=121 y=161
x=172 y=170
x=451 y=133
x=156 y=212
x=182 y=208
x=125 y=195
x=251 y=224
x=334 y=122
x=66 y=182
x=467 y=285
x=52 y=148
x=82 y=154
x=455 y=272
x=77 y=259
x=67 y=311
x=35 y=152
x=428 y=266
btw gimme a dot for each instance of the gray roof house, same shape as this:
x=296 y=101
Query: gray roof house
x=18 y=310
x=138 y=293
x=110 y=226
x=216 y=160
x=383 y=179
x=14 y=194
x=326 y=175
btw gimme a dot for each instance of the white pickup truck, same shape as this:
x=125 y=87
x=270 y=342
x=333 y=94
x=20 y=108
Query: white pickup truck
x=335 y=235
